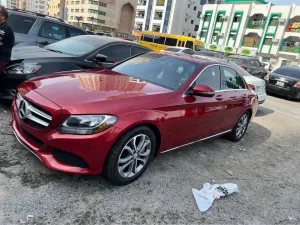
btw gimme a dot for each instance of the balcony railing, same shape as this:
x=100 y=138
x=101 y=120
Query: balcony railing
x=256 y=25
x=140 y=16
x=291 y=49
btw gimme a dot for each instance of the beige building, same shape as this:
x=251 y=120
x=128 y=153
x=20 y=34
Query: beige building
x=115 y=16
x=53 y=8
x=11 y=4
x=38 y=6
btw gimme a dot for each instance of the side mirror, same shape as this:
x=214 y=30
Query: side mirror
x=203 y=90
x=101 y=58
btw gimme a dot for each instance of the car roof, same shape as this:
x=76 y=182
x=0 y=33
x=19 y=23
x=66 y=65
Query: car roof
x=40 y=16
x=241 y=57
x=107 y=40
x=291 y=68
x=203 y=51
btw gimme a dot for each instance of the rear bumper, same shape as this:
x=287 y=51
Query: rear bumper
x=261 y=98
x=292 y=92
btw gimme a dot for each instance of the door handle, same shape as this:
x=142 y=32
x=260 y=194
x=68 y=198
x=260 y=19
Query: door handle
x=219 y=97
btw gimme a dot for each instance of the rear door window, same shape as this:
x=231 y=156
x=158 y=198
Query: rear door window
x=75 y=32
x=171 y=42
x=53 y=31
x=20 y=24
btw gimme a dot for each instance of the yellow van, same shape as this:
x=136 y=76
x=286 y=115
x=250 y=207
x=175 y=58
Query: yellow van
x=160 y=41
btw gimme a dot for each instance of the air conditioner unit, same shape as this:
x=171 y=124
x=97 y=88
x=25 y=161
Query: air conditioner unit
x=221 y=34
x=275 y=40
x=281 y=20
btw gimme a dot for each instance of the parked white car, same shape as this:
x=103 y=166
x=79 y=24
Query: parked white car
x=257 y=84
x=179 y=50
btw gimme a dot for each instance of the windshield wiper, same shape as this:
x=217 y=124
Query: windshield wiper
x=52 y=50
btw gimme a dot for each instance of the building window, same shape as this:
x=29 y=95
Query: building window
x=77 y=2
x=102 y=4
x=237 y=18
x=189 y=34
x=71 y=17
x=185 y=19
x=196 y=28
x=72 y=2
x=76 y=10
x=72 y=10
x=199 y=14
x=189 y=5
x=82 y=1
x=182 y=33
x=195 y=8
x=82 y=10
x=192 y=21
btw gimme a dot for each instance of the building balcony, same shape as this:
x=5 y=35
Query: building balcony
x=142 y=3
x=139 y=20
x=140 y=16
x=256 y=25
x=291 y=49
x=156 y=28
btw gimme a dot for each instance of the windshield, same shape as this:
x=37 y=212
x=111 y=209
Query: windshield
x=209 y=54
x=172 y=49
x=79 y=45
x=238 y=61
x=166 y=71
x=289 y=72
x=198 y=48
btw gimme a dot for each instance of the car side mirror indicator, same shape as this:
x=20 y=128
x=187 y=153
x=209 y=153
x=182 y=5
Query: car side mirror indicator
x=203 y=90
x=101 y=58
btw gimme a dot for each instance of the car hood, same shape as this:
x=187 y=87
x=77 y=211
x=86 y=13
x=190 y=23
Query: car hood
x=254 y=80
x=34 y=52
x=96 y=91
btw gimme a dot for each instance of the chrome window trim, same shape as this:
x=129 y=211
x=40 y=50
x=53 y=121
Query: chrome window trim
x=185 y=92
x=215 y=135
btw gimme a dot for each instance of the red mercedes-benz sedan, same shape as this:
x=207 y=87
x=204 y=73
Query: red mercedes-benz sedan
x=115 y=121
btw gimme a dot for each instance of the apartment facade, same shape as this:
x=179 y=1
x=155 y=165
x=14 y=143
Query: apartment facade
x=12 y=4
x=270 y=32
x=170 y=16
x=38 y=6
x=114 y=16
x=54 y=8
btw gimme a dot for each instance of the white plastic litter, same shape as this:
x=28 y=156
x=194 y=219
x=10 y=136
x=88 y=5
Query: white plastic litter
x=209 y=193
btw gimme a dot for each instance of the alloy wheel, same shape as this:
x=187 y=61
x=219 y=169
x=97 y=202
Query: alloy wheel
x=134 y=155
x=242 y=126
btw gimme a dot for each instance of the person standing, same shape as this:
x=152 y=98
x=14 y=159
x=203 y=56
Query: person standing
x=7 y=39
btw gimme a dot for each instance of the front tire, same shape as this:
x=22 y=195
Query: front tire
x=130 y=156
x=240 y=128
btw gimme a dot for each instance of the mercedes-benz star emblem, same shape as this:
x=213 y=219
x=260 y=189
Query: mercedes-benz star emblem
x=23 y=110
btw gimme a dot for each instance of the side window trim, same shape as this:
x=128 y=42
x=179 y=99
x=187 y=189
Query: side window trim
x=224 y=88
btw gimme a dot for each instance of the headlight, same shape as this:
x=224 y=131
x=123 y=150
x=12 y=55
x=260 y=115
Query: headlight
x=87 y=124
x=26 y=68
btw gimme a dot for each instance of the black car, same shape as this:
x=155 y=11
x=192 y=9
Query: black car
x=251 y=64
x=210 y=54
x=285 y=81
x=76 y=53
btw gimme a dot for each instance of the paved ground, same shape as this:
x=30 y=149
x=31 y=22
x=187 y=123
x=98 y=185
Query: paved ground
x=265 y=165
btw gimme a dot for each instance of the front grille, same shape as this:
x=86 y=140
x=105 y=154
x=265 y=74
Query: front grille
x=31 y=113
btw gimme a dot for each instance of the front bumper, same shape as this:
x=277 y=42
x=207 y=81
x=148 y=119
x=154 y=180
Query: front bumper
x=92 y=149
x=292 y=92
x=8 y=86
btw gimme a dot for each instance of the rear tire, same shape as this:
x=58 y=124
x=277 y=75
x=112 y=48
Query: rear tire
x=240 y=128
x=130 y=156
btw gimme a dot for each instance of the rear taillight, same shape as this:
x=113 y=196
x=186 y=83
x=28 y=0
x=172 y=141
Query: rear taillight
x=267 y=76
x=244 y=67
x=252 y=87
x=297 y=84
